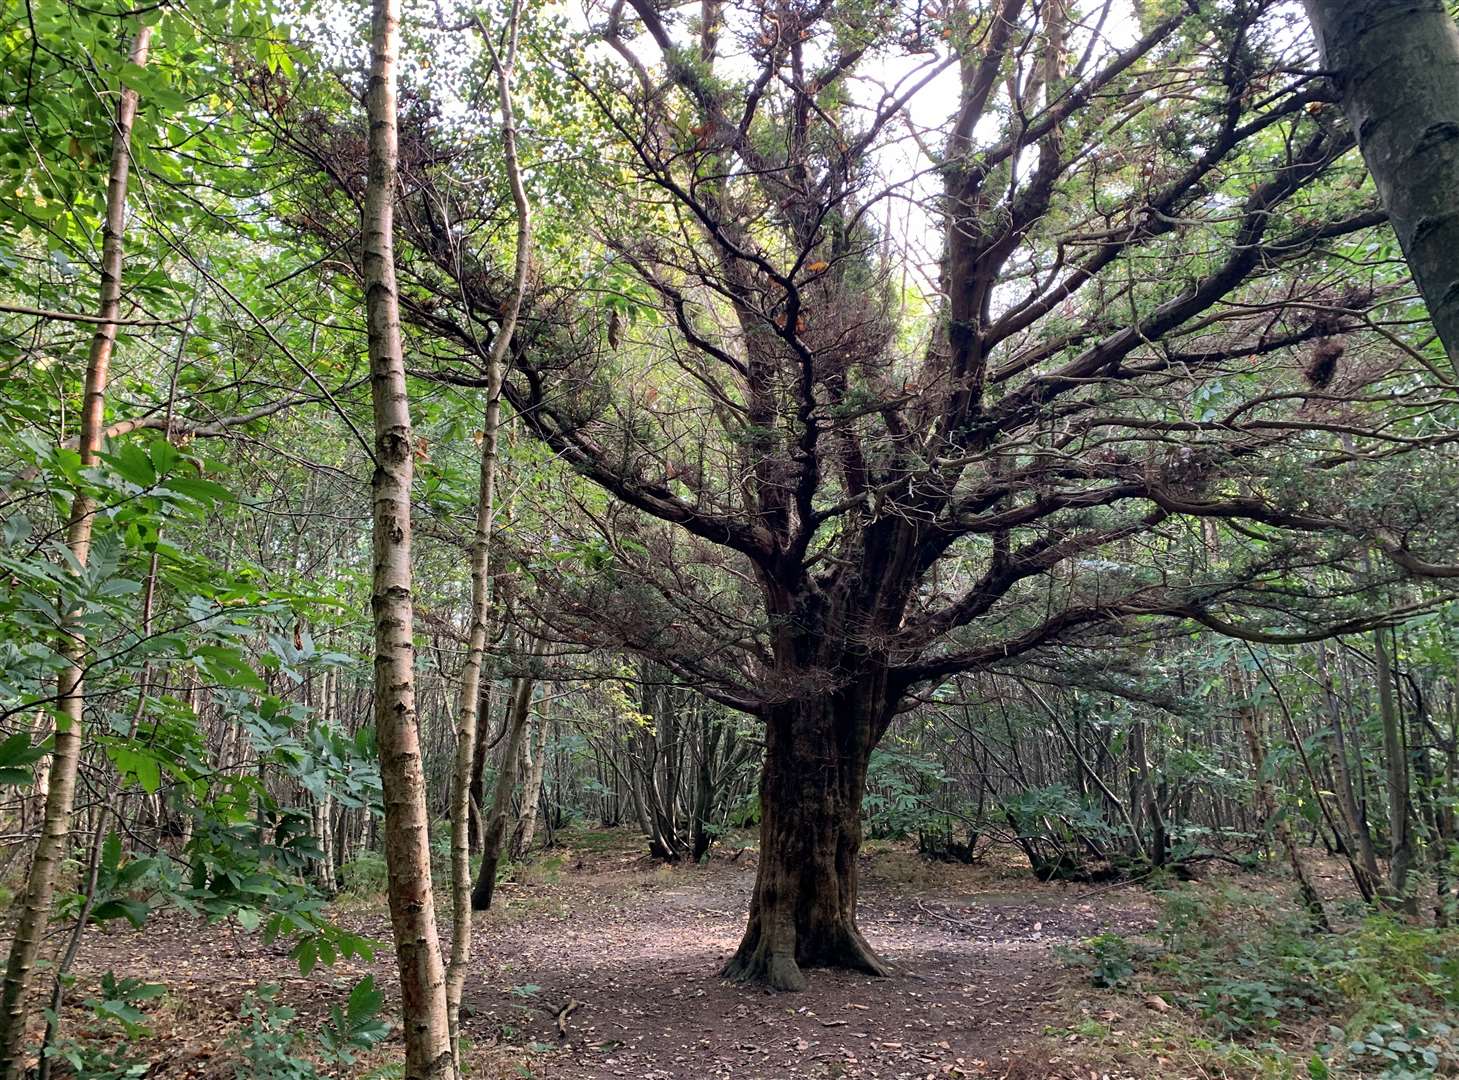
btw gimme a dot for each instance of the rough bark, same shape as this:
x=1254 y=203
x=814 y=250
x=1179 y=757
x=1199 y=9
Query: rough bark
x=406 y=824
x=35 y=904
x=1396 y=63
x=803 y=909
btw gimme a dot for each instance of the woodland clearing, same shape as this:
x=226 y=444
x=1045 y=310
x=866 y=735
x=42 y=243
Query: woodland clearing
x=981 y=987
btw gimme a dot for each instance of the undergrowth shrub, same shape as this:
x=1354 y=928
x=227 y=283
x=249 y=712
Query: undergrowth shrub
x=1376 y=999
x=1110 y=959
x=270 y=1047
x=99 y=1047
x=365 y=875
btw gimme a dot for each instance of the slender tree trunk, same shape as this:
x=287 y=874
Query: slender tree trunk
x=803 y=908
x=663 y=778
x=35 y=905
x=1446 y=889
x=407 y=825
x=324 y=871
x=651 y=777
x=478 y=767
x=323 y=810
x=1281 y=827
x=110 y=805
x=710 y=734
x=462 y=897
x=1359 y=839
x=1400 y=801
x=536 y=763
x=501 y=800
x=1144 y=797
x=1086 y=769
x=1396 y=63
x=1337 y=828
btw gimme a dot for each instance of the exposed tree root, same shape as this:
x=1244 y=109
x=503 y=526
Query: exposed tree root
x=778 y=964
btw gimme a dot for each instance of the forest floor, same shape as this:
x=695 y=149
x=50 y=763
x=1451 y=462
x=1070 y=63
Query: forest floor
x=979 y=987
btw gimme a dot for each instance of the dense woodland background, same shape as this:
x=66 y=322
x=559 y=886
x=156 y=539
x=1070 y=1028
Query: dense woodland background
x=1010 y=431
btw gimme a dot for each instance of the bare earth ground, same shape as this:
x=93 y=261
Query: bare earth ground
x=977 y=989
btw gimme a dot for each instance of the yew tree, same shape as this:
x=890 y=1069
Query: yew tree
x=901 y=341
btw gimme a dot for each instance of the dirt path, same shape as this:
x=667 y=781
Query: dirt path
x=976 y=978
x=638 y=948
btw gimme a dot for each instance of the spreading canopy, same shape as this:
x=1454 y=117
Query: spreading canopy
x=928 y=337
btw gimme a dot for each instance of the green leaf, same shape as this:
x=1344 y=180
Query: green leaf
x=136 y=77
x=307 y=954
x=16 y=757
x=202 y=491
x=134 y=911
x=164 y=456
x=134 y=465
x=365 y=1000
x=111 y=852
x=136 y=765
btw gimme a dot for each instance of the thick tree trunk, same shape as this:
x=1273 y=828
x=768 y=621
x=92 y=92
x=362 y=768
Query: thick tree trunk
x=40 y=887
x=1396 y=63
x=803 y=909
x=423 y=1008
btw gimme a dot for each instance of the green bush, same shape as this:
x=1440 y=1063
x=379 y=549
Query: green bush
x=1109 y=957
x=271 y=1049
x=100 y=1052
x=266 y=1041
x=901 y=794
x=1257 y=976
x=366 y=875
x=1244 y=1005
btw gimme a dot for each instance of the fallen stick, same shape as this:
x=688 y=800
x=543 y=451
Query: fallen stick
x=572 y=1006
